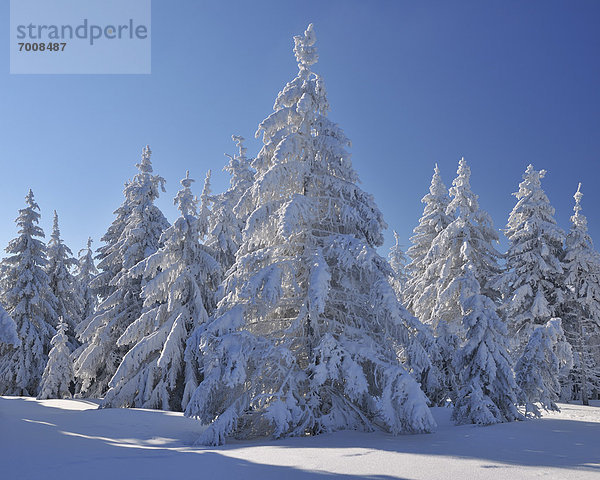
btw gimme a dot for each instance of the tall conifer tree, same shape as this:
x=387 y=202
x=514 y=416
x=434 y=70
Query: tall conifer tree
x=304 y=339
x=581 y=312
x=30 y=303
x=532 y=285
x=133 y=236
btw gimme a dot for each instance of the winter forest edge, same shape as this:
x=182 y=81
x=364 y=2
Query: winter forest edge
x=266 y=310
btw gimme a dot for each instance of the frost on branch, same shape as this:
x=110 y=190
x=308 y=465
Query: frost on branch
x=58 y=373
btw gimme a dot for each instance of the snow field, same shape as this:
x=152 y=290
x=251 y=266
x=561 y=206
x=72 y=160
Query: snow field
x=72 y=439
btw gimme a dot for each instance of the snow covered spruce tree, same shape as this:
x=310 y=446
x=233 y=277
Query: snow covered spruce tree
x=486 y=384
x=304 y=340
x=398 y=262
x=532 y=285
x=62 y=282
x=581 y=311
x=226 y=221
x=58 y=373
x=462 y=256
x=101 y=285
x=30 y=303
x=133 y=236
x=545 y=359
x=179 y=281
x=418 y=294
x=8 y=329
x=86 y=272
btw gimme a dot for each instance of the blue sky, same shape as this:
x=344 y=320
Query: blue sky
x=504 y=84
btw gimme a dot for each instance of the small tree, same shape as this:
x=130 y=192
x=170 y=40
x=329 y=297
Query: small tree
x=582 y=306
x=29 y=301
x=58 y=373
x=546 y=357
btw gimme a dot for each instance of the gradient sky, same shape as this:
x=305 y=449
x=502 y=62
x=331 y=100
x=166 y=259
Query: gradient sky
x=502 y=83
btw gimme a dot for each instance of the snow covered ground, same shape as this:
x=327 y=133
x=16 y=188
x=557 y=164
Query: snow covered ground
x=70 y=439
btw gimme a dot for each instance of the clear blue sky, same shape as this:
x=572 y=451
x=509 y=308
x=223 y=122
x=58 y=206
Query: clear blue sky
x=504 y=83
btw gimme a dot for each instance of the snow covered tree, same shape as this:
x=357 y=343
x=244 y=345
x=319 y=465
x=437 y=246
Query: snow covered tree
x=58 y=373
x=462 y=250
x=179 y=281
x=545 y=357
x=487 y=388
x=532 y=284
x=304 y=340
x=581 y=311
x=398 y=262
x=86 y=272
x=8 y=329
x=30 y=303
x=226 y=221
x=62 y=282
x=417 y=295
x=133 y=236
